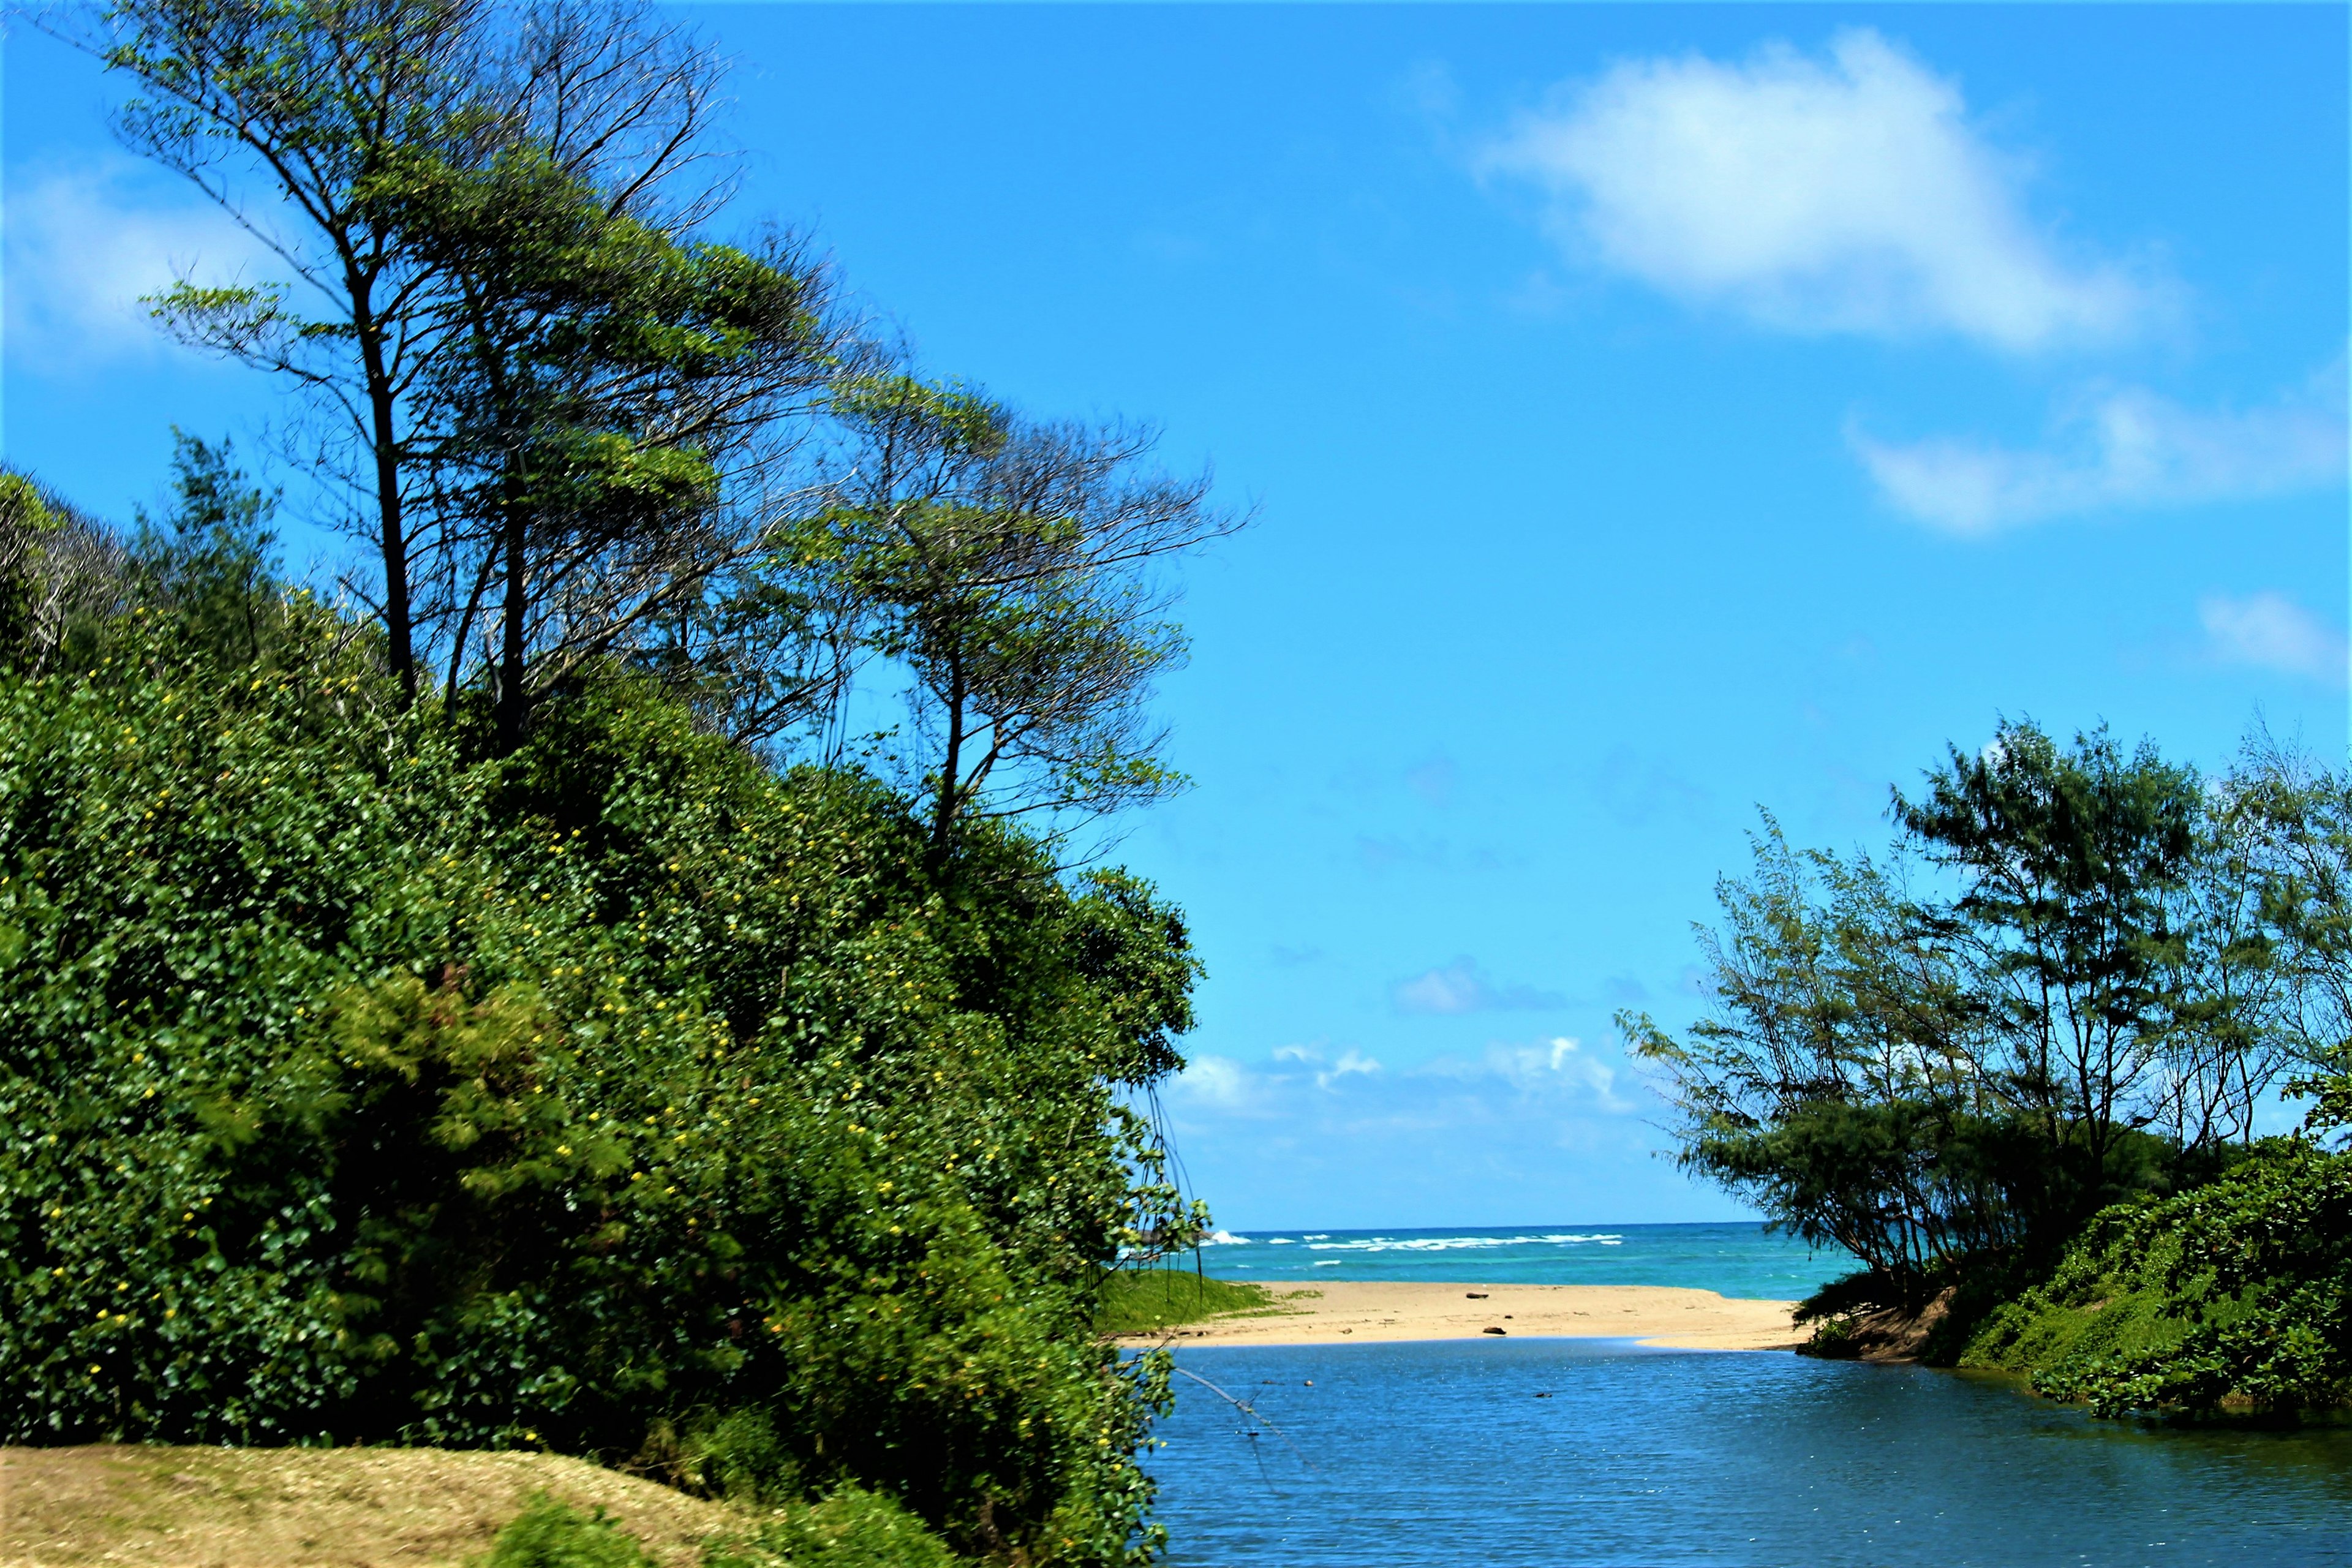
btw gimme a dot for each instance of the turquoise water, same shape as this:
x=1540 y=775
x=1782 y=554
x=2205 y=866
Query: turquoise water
x=1567 y=1452
x=1737 y=1259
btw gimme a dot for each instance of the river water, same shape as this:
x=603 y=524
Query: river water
x=1571 y=1452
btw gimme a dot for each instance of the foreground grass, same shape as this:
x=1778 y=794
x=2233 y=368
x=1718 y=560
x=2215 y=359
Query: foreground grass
x=162 y=1507
x=1145 y=1300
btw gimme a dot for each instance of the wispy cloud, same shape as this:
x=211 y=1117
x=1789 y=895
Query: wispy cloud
x=1394 y=851
x=2127 y=449
x=1222 y=1085
x=1845 y=194
x=2270 y=631
x=1560 y=1066
x=1326 y=1071
x=86 y=240
x=1462 y=987
x=1307 y=1082
x=1523 y=1129
x=1624 y=991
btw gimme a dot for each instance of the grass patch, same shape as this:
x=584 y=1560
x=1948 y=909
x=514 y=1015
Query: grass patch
x=551 y=1534
x=1144 y=1300
x=2049 y=1333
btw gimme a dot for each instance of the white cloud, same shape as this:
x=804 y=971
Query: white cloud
x=1327 y=1073
x=1461 y=987
x=2126 y=449
x=1217 y=1083
x=1543 y=1129
x=1560 y=1066
x=85 y=240
x=1303 y=1083
x=1840 y=194
x=2270 y=631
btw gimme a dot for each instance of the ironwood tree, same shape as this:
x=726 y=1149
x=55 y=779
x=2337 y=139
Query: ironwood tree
x=614 y=402
x=292 y=113
x=1011 y=568
x=2074 y=978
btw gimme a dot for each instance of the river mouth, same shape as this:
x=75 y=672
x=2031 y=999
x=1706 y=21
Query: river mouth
x=1559 y=1452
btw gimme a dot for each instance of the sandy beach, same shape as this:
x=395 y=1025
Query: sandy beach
x=1335 y=1311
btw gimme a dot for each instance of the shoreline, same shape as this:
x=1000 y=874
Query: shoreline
x=1355 y=1311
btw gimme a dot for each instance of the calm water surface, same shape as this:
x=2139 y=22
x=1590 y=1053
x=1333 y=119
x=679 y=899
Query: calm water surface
x=1737 y=1259
x=1559 y=1452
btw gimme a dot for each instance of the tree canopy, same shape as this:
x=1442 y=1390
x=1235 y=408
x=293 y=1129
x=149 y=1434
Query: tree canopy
x=2073 y=979
x=616 y=1093
x=488 y=1004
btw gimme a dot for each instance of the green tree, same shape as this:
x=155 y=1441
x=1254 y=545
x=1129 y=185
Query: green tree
x=618 y=1096
x=1010 y=568
x=61 y=576
x=212 y=563
x=1835 y=1081
x=2073 y=867
x=600 y=381
x=2299 y=819
x=2073 y=981
x=287 y=111
x=2230 y=1295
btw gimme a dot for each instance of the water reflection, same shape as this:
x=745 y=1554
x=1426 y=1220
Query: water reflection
x=1593 y=1452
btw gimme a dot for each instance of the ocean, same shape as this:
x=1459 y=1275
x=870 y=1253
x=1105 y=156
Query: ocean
x=1733 y=1259
x=1597 y=1453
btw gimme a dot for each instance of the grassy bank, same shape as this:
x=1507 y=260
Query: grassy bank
x=173 y=1507
x=2094 y=1315
x=1145 y=1300
x=2229 y=1296
x=164 y=1505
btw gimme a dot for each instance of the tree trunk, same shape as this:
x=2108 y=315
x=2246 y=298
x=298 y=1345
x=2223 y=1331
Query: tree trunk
x=400 y=641
x=943 y=810
x=514 y=514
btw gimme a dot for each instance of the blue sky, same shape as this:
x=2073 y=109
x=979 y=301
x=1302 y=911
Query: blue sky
x=1652 y=413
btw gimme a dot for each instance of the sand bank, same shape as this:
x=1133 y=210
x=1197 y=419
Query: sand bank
x=1339 y=1311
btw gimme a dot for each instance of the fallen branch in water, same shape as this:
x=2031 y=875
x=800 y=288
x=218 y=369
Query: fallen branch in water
x=1254 y=1414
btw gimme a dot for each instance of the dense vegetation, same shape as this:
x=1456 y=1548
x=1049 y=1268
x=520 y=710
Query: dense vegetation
x=2235 y=1295
x=496 y=1001
x=2019 y=1067
x=618 y=1094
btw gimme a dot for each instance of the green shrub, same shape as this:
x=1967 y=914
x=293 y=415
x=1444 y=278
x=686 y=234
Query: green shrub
x=551 y=1534
x=853 y=1528
x=352 y=1089
x=2235 y=1295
